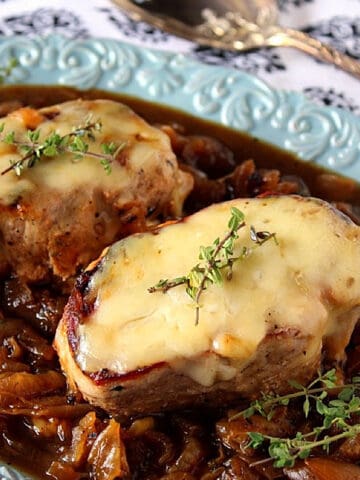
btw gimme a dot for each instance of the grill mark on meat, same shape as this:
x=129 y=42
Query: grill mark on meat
x=105 y=375
x=79 y=306
x=82 y=284
x=72 y=313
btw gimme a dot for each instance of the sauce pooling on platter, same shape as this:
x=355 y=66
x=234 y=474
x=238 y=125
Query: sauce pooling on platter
x=49 y=430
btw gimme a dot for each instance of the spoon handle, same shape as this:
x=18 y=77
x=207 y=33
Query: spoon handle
x=296 y=39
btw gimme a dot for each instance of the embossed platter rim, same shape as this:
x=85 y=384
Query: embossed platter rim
x=330 y=136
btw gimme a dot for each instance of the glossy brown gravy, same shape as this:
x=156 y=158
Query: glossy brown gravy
x=243 y=145
x=318 y=179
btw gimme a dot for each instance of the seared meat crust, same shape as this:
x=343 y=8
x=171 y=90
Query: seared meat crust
x=58 y=216
x=160 y=388
x=134 y=352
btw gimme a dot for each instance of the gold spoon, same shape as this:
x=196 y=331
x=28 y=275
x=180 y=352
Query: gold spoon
x=238 y=25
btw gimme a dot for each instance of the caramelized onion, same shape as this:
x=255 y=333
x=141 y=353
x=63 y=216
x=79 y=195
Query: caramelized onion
x=327 y=469
x=207 y=154
x=141 y=425
x=178 y=476
x=322 y=468
x=38 y=306
x=234 y=433
x=191 y=456
x=83 y=436
x=27 y=385
x=59 y=471
x=27 y=337
x=95 y=449
x=107 y=456
x=53 y=406
x=237 y=469
x=166 y=447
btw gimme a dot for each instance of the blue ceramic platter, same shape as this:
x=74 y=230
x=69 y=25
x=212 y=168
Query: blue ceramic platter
x=328 y=136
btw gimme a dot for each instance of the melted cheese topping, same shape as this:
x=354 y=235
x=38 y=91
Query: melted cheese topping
x=146 y=148
x=309 y=281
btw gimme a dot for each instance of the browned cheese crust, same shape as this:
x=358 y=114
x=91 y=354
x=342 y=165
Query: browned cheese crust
x=285 y=308
x=58 y=216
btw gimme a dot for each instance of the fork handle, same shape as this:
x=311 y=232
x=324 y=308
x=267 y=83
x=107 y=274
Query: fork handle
x=288 y=37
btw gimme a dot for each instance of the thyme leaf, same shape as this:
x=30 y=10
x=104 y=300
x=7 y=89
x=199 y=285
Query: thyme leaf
x=54 y=144
x=216 y=261
x=336 y=415
x=319 y=386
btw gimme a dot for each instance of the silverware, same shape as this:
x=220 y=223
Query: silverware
x=238 y=25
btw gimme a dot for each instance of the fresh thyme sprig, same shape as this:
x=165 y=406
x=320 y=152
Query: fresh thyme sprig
x=266 y=405
x=285 y=451
x=5 y=71
x=215 y=259
x=75 y=142
x=336 y=414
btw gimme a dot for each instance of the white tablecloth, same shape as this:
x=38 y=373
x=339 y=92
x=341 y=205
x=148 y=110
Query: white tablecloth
x=334 y=21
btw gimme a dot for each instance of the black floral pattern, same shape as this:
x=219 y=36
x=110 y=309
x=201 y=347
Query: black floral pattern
x=44 y=21
x=331 y=97
x=341 y=32
x=79 y=20
x=136 y=30
x=252 y=62
x=284 y=4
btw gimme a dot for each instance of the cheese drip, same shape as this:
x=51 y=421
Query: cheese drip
x=307 y=283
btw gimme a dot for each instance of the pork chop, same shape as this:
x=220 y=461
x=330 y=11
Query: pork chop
x=59 y=214
x=286 y=306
